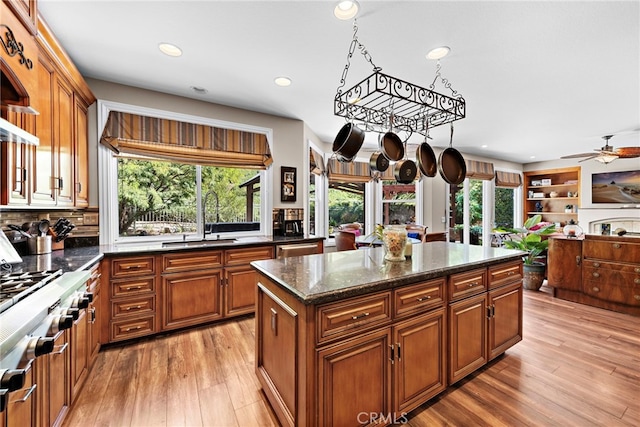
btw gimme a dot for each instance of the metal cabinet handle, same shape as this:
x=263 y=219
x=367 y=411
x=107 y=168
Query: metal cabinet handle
x=133 y=329
x=596 y=289
x=596 y=274
x=360 y=316
x=472 y=284
x=578 y=259
x=133 y=307
x=637 y=297
x=637 y=269
x=62 y=349
x=27 y=395
x=131 y=288
x=426 y=297
x=596 y=264
x=131 y=267
x=636 y=281
x=391 y=353
x=398 y=346
x=617 y=245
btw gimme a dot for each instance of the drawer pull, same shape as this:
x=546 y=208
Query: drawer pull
x=63 y=347
x=360 y=316
x=617 y=245
x=596 y=274
x=132 y=288
x=426 y=297
x=596 y=289
x=637 y=297
x=637 y=269
x=636 y=281
x=596 y=264
x=133 y=329
x=133 y=307
x=472 y=284
x=26 y=395
x=132 y=267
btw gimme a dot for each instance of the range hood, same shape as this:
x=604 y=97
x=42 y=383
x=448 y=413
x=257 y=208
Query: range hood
x=12 y=133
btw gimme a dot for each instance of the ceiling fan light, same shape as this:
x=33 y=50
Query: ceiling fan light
x=346 y=9
x=606 y=158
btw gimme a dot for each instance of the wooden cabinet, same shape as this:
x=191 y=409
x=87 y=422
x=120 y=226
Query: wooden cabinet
x=79 y=351
x=81 y=157
x=420 y=366
x=603 y=271
x=130 y=303
x=564 y=264
x=95 y=318
x=240 y=279
x=21 y=406
x=14 y=178
x=552 y=190
x=483 y=324
x=354 y=380
x=54 y=385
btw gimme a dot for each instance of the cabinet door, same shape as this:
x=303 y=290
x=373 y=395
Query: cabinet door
x=95 y=323
x=468 y=336
x=420 y=365
x=64 y=138
x=43 y=161
x=240 y=290
x=192 y=298
x=505 y=322
x=354 y=380
x=15 y=178
x=564 y=259
x=57 y=381
x=79 y=343
x=20 y=408
x=81 y=163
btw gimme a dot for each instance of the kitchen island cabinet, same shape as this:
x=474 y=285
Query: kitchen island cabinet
x=346 y=338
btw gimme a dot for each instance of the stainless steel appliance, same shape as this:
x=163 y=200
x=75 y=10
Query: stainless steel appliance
x=34 y=308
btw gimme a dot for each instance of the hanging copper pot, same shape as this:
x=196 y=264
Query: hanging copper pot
x=348 y=142
x=378 y=162
x=451 y=164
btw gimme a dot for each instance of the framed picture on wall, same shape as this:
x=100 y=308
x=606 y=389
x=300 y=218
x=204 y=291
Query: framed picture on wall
x=288 y=180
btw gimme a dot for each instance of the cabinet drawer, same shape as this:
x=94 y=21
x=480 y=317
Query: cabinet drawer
x=619 y=291
x=132 y=287
x=127 y=267
x=608 y=277
x=189 y=261
x=132 y=307
x=132 y=328
x=466 y=284
x=614 y=251
x=418 y=298
x=504 y=274
x=246 y=255
x=603 y=265
x=351 y=316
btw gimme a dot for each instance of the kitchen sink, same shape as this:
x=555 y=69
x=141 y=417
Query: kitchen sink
x=192 y=243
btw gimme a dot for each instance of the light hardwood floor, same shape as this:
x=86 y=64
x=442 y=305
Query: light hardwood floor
x=577 y=366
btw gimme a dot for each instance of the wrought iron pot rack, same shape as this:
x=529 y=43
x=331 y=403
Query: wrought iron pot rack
x=381 y=101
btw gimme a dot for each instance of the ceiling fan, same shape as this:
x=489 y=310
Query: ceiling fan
x=607 y=154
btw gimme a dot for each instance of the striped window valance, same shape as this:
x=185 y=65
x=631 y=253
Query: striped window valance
x=316 y=162
x=348 y=171
x=132 y=134
x=479 y=170
x=508 y=179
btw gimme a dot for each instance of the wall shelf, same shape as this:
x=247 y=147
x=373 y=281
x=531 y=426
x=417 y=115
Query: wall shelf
x=552 y=207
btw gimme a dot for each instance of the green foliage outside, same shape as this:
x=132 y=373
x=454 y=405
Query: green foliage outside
x=345 y=207
x=166 y=191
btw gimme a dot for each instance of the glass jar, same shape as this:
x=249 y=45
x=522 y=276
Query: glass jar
x=572 y=230
x=394 y=238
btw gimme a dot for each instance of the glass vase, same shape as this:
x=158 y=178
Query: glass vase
x=394 y=239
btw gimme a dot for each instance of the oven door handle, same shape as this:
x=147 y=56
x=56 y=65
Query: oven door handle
x=63 y=347
x=27 y=395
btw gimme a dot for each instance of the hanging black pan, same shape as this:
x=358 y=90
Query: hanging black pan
x=426 y=157
x=391 y=145
x=378 y=162
x=348 y=142
x=451 y=164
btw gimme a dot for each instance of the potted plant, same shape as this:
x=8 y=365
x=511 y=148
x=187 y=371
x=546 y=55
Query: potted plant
x=568 y=208
x=528 y=238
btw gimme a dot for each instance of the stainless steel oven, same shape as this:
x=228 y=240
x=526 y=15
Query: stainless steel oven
x=34 y=307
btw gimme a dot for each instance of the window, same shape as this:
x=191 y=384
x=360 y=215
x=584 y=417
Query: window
x=162 y=198
x=346 y=203
x=398 y=203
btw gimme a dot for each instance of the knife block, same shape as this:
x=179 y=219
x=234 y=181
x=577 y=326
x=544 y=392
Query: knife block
x=56 y=246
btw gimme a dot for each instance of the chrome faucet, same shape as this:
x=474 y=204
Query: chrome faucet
x=204 y=211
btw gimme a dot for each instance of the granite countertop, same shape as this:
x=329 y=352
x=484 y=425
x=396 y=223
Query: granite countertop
x=73 y=259
x=321 y=278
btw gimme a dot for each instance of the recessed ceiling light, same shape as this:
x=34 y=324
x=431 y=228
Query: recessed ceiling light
x=532 y=157
x=282 y=81
x=438 y=52
x=484 y=146
x=199 y=90
x=346 y=9
x=170 y=49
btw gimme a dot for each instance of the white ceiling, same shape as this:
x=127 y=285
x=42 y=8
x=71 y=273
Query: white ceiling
x=542 y=78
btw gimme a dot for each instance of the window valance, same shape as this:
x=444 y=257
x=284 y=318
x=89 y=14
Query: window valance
x=127 y=133
x=348 y=171
x=508 y=179
x=316 y=162
x=479 y=170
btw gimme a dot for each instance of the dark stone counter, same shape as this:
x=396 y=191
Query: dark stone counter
x=81 y=258
x=321 y=278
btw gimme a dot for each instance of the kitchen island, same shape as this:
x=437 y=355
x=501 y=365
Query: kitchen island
x=346 y=338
